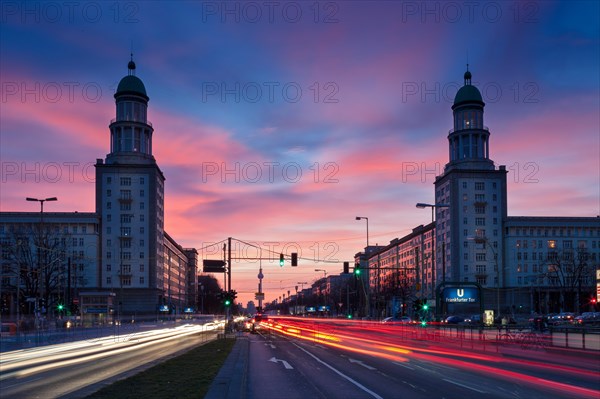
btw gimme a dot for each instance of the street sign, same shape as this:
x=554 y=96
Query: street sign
x=213 y=266
x=460 y=295
x=259 y=296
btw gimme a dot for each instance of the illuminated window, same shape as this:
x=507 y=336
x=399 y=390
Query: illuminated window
x=551 y=244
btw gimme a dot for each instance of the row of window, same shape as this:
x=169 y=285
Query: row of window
x=552 y=244
x=560 y=232
x=125 y=219
x=479 y=221
x=125 y=194
x=125 y=231
x=125 y=208
x=124 y=255
x=126 y=281
x=124 y=243
x=125 y=181
x=126 y=268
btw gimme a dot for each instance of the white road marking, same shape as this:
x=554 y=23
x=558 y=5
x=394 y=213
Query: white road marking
x=358 y=384
x=403 y=365
x=285 y=364
x=361 y=363
x=463 y=385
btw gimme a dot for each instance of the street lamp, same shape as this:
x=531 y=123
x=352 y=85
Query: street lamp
x=41 y=201
x=321 y=270
x=485 y=241
x=367 y=219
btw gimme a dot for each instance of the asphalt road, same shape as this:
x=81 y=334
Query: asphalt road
x=81 y=375
x=282 y=366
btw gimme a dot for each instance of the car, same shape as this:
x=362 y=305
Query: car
x=454 y=320
x=257 y=320
x=399 y=320
x=562 y=318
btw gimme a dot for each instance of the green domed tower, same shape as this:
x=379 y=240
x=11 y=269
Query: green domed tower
x=130 y=131
x=469 y=139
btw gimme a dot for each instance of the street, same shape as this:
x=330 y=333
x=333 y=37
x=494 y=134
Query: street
x=300 y=359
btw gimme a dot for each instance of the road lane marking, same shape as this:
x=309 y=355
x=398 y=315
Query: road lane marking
x=403 y=365
x=463 y=385
x=361 y=363
x=358 y=384
x=285 y=364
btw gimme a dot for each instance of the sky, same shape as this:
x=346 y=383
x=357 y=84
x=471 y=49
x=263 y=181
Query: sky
x=277 y=123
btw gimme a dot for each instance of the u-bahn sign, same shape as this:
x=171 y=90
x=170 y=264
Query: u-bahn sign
x=460 y=295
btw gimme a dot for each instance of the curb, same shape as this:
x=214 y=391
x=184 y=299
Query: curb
x=230 y=382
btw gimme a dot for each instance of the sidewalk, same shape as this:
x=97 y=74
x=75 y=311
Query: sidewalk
x=230 y=382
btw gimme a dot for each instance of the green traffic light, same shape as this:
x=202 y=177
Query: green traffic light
x=425 y=306
x=60 y=307
x=423 y=323
x=349 y=316
x=227 y=302
x=357 y=271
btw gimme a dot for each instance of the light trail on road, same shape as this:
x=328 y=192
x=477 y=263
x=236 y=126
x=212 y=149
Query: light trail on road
x=395 y=344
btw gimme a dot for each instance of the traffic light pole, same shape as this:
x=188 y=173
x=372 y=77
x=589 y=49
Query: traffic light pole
x=229 y=262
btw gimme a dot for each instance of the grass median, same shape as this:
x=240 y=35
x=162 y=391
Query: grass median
x=185 y=376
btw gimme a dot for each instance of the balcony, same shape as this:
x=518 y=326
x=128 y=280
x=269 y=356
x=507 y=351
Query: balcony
x=468 y=128
x=130 y=119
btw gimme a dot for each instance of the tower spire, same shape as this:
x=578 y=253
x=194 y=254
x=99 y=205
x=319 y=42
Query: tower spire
x=131 y=66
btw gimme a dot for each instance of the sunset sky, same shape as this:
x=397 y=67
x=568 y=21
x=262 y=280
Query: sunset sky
x=277 y=123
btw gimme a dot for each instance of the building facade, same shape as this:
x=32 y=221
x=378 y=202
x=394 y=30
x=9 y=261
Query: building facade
x=46 y=260
x=120 y=251
x=522 y=264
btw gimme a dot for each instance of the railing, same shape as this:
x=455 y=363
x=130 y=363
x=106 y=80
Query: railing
x=468 y=128
x=146 y=122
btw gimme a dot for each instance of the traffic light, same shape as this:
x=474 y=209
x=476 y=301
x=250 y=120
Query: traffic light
x=425 y=306
x=281 y=260
x=227 y=298
x=357 y=269
x=294 y=259
x=60 y=307
x=346 y=267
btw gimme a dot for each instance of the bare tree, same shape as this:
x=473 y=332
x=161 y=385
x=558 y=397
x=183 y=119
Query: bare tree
x=37 y=258
x=569 y=271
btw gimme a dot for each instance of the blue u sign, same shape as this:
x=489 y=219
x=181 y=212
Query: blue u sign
x=460 y=295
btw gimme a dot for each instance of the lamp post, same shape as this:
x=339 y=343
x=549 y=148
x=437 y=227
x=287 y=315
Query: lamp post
x=321 y=270
x=485 y=241
x=40 y=274
x=367 y=306
x=367 y=219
